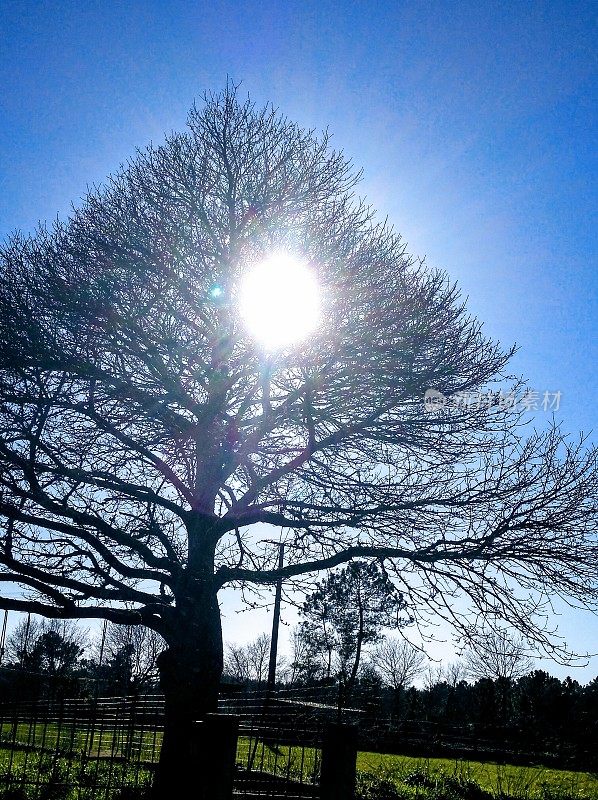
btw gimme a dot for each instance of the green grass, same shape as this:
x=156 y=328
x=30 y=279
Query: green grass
x=84 y=760
x=47 y=761
x=287 y=761
x=499 y=780
x=100 y=742
x=35 y=776
x=528 y=783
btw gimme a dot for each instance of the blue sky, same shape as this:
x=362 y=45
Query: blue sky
x=475 y=124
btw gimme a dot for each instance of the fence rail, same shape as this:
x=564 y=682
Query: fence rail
x=105 y=748
x=80 y=749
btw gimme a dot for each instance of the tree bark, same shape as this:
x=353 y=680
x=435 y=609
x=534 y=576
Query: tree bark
x=350 y=683
x=190 y=671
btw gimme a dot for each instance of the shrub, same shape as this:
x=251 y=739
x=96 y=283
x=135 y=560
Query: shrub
x=372 y=787
x=132 y=793
x=420 y=778
x=464 y=788
x=560 y=793
x=428 y=785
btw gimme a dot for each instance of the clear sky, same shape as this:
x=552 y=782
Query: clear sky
x=475 y=124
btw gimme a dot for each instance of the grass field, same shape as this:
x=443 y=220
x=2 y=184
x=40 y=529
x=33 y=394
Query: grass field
x=97 y=742
x=500 y=780
x=497 y=779
x=35 y=776
x=426 y=779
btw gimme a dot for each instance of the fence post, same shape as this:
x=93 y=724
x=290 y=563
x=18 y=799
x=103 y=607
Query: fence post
x=213 y=752
x=339 y=762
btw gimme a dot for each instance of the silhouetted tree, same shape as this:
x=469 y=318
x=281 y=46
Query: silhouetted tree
x=23 y=646
x=502 y=657
x=236 y=663
x=130 y=653
x=398 y=662
x=21 y=641
x=498 y=654
x=144 y=432
x=453 y=672
x=307 y=665
x=48 y=654
x=115 y=675
x=347 y=611
x=248 y=662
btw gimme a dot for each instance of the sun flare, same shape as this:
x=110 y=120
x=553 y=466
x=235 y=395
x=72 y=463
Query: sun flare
x=279 y=301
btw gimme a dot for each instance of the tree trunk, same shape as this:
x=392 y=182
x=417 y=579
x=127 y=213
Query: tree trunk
x=190 y=671
x=350 y=683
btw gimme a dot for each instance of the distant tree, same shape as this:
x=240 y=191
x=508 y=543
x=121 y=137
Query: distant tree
x=348 y=611
x=398 y=662
x=311 y=656
x=132 y=651
x=543 y=704
x=586 y=723
x=54 y=655
x=50 y=646
x=49 y=654
x=236 y=663
x=453 y=672
x=21 y=640
x=314 y=643
x=502 y=658
x=433 y=675
x=145 y=435
x=498 y=654
x=115 y=674
x=453 y=675
x=258 y=652
x=369 y=677
x=250 y=662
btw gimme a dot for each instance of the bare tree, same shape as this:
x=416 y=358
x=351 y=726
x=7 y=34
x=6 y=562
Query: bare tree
x=499 y=655
x=398 y=662
x=22 y=642
x=450 y=673
x=454 y=672
x=249 y=662
x=236 y=663
x=142 y=646
x=258 y=653
x=144 y=432
x=433 y=675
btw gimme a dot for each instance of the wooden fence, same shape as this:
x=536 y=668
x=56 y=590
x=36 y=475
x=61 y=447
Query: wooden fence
x=108 y=748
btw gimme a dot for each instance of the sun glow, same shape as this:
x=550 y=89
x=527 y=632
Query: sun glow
x=279 y=301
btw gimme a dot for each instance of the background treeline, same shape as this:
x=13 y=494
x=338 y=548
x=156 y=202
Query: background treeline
x=491 y=700
x=402 y=703
x=535 y=715
x=53 y=659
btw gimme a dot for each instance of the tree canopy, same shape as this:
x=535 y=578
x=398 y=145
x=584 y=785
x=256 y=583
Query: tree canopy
x=144 y=432
x=346 y=612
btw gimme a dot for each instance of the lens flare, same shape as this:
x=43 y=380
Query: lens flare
x=279 y=301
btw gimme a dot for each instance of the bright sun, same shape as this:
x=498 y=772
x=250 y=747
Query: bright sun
x=279 y=301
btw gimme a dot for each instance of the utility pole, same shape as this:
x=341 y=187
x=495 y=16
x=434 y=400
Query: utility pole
x=3 y=635
x=275 y=624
